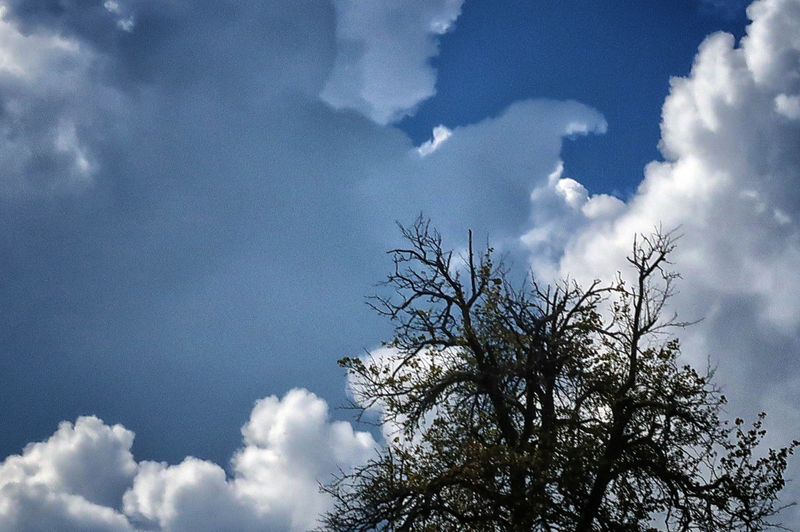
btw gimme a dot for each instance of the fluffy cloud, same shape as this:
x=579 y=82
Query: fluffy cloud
x=562 y=206
x=383 y=49
x=729 y=182
x=729 y=185
x=85 y=478
x=73 y=481
x=289 y=448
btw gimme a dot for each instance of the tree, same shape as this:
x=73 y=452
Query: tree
x=545 y=408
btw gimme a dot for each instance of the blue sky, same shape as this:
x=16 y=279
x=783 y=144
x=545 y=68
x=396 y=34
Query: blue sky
x=616 y=57
x=196 y=197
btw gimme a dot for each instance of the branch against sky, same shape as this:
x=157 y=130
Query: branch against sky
x=536 y=409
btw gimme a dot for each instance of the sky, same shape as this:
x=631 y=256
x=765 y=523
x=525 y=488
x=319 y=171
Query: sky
x=195 y=198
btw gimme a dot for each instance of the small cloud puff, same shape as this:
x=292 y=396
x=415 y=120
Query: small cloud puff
x=788 y=106
x=440 y=134
x=84 y=477
x=124 y=22
x=382 y=65
x=560 y=208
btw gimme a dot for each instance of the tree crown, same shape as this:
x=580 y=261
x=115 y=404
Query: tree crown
x=555 y=408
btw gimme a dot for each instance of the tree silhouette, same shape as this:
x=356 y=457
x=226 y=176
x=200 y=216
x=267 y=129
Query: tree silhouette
x=545 y=409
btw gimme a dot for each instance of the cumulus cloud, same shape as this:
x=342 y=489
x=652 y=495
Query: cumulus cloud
x=382 y=64
x=729 y=183
x=562 y=207
x=291 y=446
x=73 y=481
x=85 y=478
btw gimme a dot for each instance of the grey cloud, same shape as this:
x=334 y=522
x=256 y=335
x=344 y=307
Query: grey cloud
x=382 y=64
x=232 y=224
x=52 y=108
x=76 y=87
x=482 y=174
x=288 y=45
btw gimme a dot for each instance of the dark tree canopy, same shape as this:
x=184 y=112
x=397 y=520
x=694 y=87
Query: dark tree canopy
x=546 y=409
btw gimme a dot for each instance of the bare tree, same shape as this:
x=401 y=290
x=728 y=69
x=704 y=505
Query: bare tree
x=546 y=408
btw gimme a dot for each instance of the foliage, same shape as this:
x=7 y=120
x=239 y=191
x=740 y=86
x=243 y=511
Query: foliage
x=546 y=409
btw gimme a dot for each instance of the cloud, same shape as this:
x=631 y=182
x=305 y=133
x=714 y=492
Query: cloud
x=562 y=207
x=79 y=81
x=84 y=477
x=289 y=448
x=729 y=183
x=382 y=64
x=125 y=21
x=480 y=176
x=53 y=106
x=729 y=186
x=440 y=135
x=73 y=481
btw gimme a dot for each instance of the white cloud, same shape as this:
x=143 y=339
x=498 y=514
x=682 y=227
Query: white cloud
x=440 y=135
x=290 y=446
x=73 y=481
x=384 y=46
x=560 y=207
x=85 y=478
x=729 y=182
